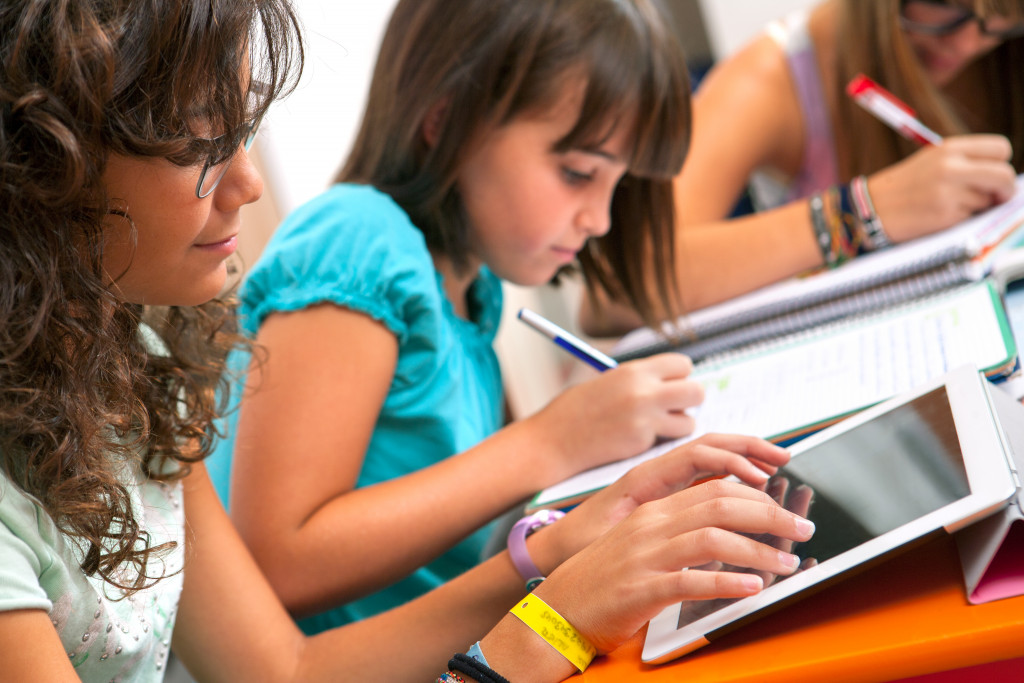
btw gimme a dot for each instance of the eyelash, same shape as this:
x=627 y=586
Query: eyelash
x=574 y=177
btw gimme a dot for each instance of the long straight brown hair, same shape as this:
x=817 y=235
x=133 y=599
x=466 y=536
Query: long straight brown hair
x=490 y=61
x=872 y=42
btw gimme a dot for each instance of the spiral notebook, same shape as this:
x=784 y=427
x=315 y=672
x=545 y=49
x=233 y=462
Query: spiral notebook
x=964 y=253
x=791 y=386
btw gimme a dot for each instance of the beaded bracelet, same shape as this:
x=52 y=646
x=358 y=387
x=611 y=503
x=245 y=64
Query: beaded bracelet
x=837 y=229
x=478 y=670
x=450 y=677
x=822 y=235
x=555 y=630
x=876 y=236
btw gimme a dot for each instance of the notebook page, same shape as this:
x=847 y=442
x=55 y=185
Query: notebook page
x=822 y=374
x=981 y=235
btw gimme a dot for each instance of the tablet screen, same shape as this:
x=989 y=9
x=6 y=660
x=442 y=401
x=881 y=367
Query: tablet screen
x=867 y=481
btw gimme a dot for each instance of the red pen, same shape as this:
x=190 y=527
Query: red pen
x=891 y=111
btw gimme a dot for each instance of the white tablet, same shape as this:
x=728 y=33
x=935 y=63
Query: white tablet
x=930 y=460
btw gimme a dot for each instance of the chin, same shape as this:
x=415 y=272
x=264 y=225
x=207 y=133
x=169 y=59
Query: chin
x=199 y=293
x=533 y=279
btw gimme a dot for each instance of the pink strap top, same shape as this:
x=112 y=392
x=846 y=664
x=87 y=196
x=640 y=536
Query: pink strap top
x=818 y=169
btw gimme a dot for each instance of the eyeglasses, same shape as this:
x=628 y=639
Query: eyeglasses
x=936 y=18
x=217 y=162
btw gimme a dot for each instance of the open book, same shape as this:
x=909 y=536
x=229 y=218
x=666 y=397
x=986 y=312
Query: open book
x=786 y=388
x=963 y=253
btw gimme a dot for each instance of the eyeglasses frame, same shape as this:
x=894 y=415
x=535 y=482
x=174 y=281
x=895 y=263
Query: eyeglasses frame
x=245 y=135
x=954 y=26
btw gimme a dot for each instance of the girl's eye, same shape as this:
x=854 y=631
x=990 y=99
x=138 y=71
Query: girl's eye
x=574 y=177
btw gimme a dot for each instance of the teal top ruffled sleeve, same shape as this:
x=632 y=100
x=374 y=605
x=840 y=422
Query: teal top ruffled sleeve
x=354 y=247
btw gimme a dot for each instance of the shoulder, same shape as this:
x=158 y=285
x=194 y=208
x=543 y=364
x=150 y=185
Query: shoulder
x=758 y=73
x=28 y=544
x=749 y=100
x=352 y=246
x=345 y=217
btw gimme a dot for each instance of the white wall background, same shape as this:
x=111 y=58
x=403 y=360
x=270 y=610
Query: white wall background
x=731 y=23
x=306 y=136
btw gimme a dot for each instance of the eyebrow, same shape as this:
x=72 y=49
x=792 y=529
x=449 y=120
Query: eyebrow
x=599 y=152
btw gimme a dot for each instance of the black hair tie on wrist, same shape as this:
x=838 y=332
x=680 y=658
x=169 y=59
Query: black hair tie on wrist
x=481 y=672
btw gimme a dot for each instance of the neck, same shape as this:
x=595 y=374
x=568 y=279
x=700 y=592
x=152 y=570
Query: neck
x=456 y=283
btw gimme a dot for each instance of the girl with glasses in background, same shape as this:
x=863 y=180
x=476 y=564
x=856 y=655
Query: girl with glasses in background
x=775 y=117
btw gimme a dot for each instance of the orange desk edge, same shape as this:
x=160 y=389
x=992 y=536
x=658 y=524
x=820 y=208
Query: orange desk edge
x=905 y=617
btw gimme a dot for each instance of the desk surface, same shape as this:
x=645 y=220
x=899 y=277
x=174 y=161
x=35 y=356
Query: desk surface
x=905 y=617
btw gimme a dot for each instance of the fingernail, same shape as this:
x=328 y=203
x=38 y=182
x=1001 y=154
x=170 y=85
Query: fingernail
x=752 y=583
x=805 y=526
x=790 y=561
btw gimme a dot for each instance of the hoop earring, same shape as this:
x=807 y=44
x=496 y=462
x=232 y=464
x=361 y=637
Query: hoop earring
x=133 y=237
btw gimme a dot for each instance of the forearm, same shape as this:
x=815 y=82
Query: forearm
x=369 y=538
x=720 y=260
x=231 y=626
x=414 y=642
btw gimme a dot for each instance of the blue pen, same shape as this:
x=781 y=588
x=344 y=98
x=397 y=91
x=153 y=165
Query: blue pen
x=574 y=345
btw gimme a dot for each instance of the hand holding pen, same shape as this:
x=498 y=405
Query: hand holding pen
x=945 y=182
x=625 y=409
x=571 y=343
x=891 y=111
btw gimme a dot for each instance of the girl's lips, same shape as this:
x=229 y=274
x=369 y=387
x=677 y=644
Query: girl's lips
x=228 y=245
x=567 y=255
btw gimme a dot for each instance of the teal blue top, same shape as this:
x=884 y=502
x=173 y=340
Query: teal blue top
x=354 y=247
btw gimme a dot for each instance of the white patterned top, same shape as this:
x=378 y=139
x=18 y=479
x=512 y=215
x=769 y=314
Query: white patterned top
x=107 y=637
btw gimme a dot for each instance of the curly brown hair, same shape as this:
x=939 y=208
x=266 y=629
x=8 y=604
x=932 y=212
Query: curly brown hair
x=80 y=392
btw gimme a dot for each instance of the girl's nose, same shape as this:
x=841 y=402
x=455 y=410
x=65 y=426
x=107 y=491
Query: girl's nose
x=594 y=217
x=242 y=183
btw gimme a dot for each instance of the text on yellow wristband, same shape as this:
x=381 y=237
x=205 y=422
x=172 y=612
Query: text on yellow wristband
x=555 y=630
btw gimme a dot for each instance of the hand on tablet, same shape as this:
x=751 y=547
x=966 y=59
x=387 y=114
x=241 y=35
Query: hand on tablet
x=615 y=585
x=798 y=501
x=749 y=459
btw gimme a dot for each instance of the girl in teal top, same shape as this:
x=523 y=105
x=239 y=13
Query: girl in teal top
x=510 y=139
x=354 y=247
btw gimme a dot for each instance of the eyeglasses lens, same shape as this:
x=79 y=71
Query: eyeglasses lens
x=213 y=172
x=941 y=19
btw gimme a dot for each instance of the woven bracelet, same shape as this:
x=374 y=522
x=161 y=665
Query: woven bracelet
x=822 y=237
x=865 y=208
x=478 y=670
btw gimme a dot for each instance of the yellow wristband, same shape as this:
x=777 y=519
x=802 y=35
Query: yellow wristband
x=555 y=630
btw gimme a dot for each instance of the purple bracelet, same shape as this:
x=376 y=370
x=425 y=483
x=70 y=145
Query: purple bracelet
x=517 y=542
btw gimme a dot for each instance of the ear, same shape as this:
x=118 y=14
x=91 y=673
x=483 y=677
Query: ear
x=433 y=121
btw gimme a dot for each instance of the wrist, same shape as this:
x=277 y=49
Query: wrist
x=546 y=548
x=520 y=655
x=532 y=566
x=542 y=453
